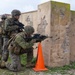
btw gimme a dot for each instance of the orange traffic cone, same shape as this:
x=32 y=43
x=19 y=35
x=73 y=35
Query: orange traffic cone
x=40 y=61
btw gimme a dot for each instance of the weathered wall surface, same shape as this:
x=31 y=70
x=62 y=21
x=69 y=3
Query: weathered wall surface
x=29 y=18
x=72 y=36
x=60 y=21
x=44 y=12
x=54 y=21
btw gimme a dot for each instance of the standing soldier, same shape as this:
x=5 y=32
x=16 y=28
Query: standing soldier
x=2 y=22
x=20 y=45
x=12 y=27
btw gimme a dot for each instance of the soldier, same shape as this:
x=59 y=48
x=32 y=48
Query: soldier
x=20 y=45
x=3 y=18
x=12 y=27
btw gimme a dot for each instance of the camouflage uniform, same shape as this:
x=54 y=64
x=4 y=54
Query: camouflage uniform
x=18 y=46
x=3 y=17
x=11 y=29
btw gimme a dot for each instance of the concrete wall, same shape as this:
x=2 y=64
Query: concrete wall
x=44 y=11
x=53 y=19
x=60 y=21
x=29 y=18
x=72 y=36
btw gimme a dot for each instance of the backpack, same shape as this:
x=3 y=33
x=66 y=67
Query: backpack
x=13 y=47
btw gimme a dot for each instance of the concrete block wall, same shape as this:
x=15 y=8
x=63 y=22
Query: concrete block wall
x=44 y=28
x=55 y=21
x=60 y=21
x=72 y=37
x=29 y=18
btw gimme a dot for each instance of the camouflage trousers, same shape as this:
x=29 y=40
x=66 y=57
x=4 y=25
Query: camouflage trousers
x=5 y=52
x=1 y=44
x=15 y=64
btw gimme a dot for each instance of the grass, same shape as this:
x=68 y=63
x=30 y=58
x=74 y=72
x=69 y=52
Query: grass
x=61 y=70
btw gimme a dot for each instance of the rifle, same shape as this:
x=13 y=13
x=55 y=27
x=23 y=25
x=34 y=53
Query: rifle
x=19 y=24
x=37 y=37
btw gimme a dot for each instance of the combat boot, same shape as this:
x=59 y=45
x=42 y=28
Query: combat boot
x=12 y=68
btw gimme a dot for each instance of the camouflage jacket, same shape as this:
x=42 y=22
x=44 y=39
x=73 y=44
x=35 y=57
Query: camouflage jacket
x=11 y=26
x=2 y=24
x=19 y=42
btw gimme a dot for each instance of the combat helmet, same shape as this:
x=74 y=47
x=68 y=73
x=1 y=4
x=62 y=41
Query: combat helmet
x=29 y=29
x=3 y=17
x=16 y=13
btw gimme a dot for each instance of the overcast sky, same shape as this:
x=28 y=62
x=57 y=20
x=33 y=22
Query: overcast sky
x=6 y=6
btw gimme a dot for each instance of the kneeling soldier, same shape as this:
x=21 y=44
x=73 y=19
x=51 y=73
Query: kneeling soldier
x=20 y=45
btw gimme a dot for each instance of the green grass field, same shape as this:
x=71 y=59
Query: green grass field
x=60 y=70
